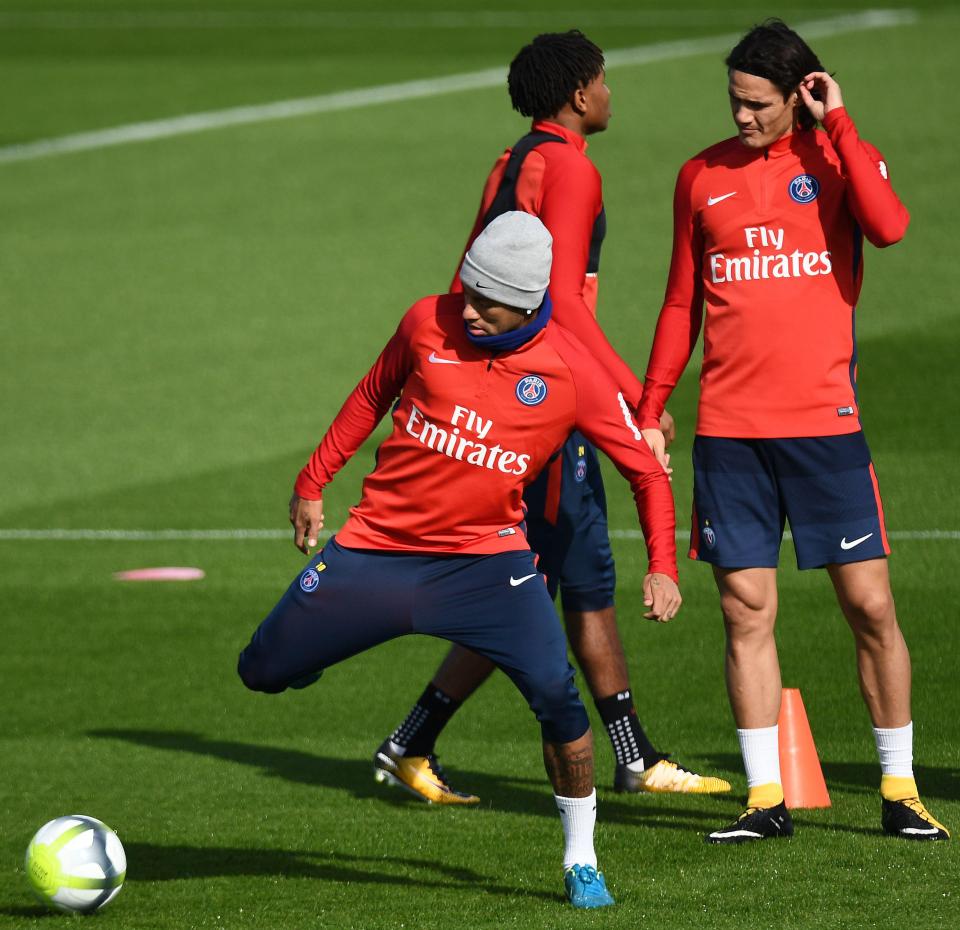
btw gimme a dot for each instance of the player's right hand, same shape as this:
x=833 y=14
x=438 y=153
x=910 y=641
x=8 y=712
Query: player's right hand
x=662 y=596
x=307 y=519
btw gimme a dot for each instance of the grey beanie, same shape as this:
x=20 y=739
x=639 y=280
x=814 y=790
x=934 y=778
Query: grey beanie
x=509 y=262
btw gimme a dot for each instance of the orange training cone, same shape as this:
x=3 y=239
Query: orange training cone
x=803 y=784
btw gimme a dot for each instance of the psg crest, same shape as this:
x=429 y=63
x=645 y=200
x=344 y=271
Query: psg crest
x=709 y=537
x=309 y=580
x=580 y=472
x=804 y=188
x=531 y=390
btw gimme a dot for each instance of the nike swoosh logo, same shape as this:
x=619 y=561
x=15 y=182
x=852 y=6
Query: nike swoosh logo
x=442 y=361
x=712 y=200
x=911 y=830
x=853 y=542
x=483 y=287
x=515 y=581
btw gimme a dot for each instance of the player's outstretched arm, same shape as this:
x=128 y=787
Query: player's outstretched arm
x=364 y=408
x=662 y=596
x=307 y=520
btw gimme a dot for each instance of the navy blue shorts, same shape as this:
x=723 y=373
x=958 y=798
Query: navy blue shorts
x=567 y=528
x=744 y=490
x=348 y=600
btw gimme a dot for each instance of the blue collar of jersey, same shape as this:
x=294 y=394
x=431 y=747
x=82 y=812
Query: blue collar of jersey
x=507 y=342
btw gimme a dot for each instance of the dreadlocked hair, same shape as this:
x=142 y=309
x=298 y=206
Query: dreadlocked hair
x=546 y=73
x=774 y=51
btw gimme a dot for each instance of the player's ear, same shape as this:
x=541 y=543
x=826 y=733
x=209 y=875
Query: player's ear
x=578 y=101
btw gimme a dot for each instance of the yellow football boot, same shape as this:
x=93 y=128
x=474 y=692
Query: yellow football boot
x=422 y=776
x=666 y=777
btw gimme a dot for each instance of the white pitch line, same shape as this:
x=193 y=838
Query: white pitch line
x=410 y=90
x=343 y=19
x=241 y=535
x=891 y=534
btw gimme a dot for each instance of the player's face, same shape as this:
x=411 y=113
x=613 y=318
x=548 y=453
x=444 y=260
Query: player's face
x=759 y=110
x=487 y=318
x=596 y=96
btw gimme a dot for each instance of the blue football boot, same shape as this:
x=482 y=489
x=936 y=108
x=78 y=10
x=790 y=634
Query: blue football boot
x=586 y=887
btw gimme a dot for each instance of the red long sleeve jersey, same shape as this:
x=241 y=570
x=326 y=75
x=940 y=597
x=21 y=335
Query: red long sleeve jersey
x=470 y=430
x=773 y=242
x=561 y=186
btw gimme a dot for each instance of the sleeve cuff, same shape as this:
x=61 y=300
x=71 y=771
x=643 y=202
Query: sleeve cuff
x=306 y=488
x=669 y=570
x=833 y=117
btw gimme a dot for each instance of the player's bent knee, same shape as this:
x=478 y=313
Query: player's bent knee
x=562 y=716
x=260 y=675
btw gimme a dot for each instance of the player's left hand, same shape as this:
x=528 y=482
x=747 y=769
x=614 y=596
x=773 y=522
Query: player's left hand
x=662 y=596
x=307 y=519
x=668 y=428
x=820 y=93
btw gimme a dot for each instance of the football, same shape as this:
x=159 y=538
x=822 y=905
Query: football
x=76 y=863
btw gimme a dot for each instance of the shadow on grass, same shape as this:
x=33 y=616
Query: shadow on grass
x=940 y=783
x=34 y=912
x=155 y=863
x=510 y=794
x=864 y=777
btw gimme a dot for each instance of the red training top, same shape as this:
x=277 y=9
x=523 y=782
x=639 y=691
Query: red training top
x=562 y=187
x=470 y=431
x=773 y=241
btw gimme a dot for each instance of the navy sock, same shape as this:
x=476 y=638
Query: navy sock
x=427 y=718
x=630 y=743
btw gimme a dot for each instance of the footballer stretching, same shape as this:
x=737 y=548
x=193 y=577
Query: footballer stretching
x=436 y=545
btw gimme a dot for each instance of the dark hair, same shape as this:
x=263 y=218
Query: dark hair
x=774 y=51
x=547 y=72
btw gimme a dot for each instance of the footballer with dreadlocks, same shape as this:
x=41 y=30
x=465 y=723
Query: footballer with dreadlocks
x=559 y=81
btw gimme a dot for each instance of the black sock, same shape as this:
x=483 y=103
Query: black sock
x=418 y=733
x=629 y=741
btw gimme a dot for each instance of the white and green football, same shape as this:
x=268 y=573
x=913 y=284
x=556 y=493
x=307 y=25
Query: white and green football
x=76 y=863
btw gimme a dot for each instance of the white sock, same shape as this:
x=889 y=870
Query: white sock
x=761 y=755
x=895 y=749
x=578 y=816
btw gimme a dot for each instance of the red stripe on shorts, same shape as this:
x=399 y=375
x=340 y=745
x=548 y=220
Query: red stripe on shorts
x=883 y=524
x=694 y=552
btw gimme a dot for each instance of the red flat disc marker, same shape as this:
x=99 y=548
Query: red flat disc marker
x=168 y=573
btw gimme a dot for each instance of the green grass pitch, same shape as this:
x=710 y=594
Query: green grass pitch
x=179 y=320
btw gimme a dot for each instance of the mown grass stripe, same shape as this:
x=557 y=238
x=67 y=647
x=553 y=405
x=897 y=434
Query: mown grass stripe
x=241 y=534
x=153 y=130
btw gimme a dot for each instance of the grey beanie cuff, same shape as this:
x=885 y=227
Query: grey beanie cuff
x=509 y=262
